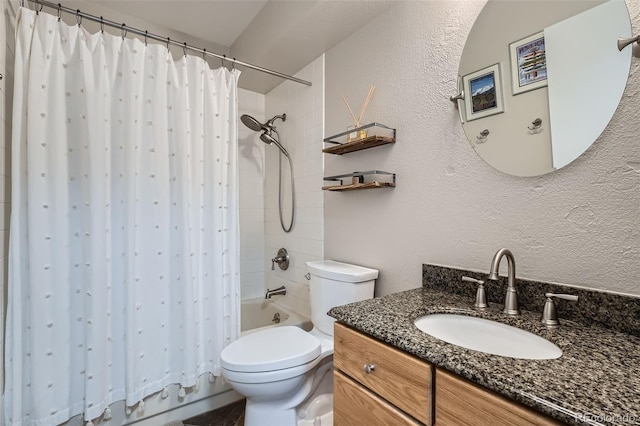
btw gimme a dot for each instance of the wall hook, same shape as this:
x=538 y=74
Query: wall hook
x=535 y=124
x=482 y=138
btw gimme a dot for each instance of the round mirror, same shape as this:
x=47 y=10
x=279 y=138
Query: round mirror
x=541 y=80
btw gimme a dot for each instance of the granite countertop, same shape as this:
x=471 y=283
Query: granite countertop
x=595 y=381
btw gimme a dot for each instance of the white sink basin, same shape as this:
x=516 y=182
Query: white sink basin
x=487 y=336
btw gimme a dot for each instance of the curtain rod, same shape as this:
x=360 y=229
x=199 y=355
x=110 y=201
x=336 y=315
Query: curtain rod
x=126 y=29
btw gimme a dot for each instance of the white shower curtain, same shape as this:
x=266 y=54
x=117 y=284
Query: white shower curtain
x=123 y=274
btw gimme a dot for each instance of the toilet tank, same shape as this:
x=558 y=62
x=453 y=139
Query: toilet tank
x=334 y=283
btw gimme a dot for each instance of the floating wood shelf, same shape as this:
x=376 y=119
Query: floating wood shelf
x=355 y=186
x=357 y=181
x=382 y=135
x=358 y=145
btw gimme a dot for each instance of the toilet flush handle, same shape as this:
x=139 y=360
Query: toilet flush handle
x=369 y=368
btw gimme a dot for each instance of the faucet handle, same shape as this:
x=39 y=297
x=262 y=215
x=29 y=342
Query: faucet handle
x=549 y=312
x=571 y=297
x=481 y=297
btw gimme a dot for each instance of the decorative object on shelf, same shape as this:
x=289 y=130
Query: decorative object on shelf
x=358 y=181
x=382 y=135
x=484 y=89
x=357 y=132
x=635 y=49
x=528 y=63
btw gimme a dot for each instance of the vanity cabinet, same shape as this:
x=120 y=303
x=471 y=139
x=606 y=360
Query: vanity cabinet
x=375 y=384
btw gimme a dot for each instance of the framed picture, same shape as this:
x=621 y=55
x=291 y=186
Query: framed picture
x=483 y=91
x=528 y=63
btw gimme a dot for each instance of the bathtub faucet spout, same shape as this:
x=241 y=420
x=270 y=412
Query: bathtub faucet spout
x=280 y=290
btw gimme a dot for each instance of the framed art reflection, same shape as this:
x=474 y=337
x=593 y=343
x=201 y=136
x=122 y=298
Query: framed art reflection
x=484 y=93
x=528 y=63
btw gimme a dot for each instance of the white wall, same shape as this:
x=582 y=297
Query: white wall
x=251 y=176
x=578 y=226
x=302 y=135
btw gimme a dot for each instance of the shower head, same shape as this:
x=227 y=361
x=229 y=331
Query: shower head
x=256 y=126
x=251 y=122
x=267 y=129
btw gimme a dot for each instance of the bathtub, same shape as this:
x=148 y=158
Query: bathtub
x=257 y=314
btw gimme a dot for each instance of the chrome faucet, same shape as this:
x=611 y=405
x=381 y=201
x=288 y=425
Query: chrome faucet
x=280 y=290
x=511 y=298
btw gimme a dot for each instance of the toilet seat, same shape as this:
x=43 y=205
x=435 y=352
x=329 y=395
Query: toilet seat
x=268 y=355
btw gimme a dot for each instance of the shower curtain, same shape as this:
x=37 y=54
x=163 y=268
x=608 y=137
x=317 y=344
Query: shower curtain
x=123 y=274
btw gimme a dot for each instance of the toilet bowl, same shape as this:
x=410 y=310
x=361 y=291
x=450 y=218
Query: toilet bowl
x=286 y=373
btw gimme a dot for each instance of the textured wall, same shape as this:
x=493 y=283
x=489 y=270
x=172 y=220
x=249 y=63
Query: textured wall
x=578 y=226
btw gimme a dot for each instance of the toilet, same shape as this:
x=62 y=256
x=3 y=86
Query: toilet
x=286 y=373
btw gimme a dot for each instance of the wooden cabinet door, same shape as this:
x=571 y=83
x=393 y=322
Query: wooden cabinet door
x=402 y=379
x=460 y=402
x=354 y=405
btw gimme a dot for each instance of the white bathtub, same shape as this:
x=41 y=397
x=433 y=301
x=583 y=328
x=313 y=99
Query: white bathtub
x=256 y=314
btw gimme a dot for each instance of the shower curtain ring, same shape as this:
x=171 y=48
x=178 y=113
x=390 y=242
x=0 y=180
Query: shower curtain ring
x=222 y=59
x=59 y=11
x=184 y=49
x=204 y=53
x=78 y=17
x=101 y=25
x=123 y=30
x=168 y=41
x=40 y=10
x=233 y=64
x=146 y=34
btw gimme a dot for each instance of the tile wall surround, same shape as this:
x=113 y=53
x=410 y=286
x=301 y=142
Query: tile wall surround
x=301 y=134
x=611 y=310
x=251 y=175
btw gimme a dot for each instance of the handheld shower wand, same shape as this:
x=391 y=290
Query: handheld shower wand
x=268 y=129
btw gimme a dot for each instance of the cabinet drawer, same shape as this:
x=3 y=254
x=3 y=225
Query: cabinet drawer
x=354 y=405
x=403 y=380
x=460 y=402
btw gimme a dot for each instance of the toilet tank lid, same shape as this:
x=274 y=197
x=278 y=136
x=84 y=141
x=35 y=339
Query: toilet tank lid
x=341 y=271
